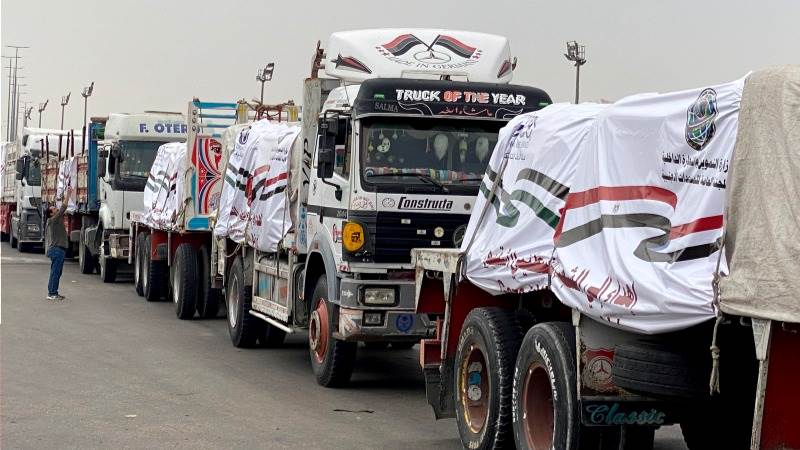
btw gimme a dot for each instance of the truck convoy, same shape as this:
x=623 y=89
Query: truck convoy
x=110 y=177
x=20 y=216
x=316 y=221
x=627 y=266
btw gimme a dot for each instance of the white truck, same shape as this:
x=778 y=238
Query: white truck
x=627 y=266
x=20 y=215
x=388 y=156
x=125 y=154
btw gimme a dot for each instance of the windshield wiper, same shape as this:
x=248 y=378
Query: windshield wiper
x=427 y=178
x=470 y=179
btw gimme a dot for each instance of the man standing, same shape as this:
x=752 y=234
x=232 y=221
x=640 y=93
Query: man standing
x=56 y=243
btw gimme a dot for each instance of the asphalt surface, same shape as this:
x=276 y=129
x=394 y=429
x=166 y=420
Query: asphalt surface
x=106 y=369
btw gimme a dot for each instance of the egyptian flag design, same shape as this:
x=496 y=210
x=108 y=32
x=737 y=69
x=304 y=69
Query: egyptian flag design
x=454 y=45
x=402 y=44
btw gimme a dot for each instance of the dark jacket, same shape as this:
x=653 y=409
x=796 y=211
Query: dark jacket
x=55 y=234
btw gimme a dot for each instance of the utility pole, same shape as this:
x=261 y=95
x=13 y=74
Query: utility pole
x=15 y=97
x=27 y=114
x=8 y=101
x=577 y=54
x=64 y=101
x=42 y=106
x=264 y=75
x=85 y=93
x=16 y=108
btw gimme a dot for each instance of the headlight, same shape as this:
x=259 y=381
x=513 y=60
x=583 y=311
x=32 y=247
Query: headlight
x=379 y=296
x=33 y=227
x=352 y=236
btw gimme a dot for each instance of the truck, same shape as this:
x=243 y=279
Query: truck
x=388 y=156
x=626 y=267
x=20 y=215
x=110 y=177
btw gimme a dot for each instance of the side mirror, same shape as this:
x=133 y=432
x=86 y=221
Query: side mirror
x=325 y=159
x=18 y=176
x=101 y=167
x=112 y=163
x=20 y=168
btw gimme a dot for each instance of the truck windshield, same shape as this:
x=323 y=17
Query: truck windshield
x=136 y=158
x=34 y=175
x=398 y=154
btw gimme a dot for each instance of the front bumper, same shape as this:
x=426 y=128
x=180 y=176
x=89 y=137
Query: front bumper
x=397 y=322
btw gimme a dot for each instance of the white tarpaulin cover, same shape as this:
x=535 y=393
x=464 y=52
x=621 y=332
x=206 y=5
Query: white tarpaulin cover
x=164 y=189
x=762 y=220
x=253 y=200
x=616 y=208
x=67 y=176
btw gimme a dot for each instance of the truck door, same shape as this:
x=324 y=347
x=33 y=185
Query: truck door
x=329 y=197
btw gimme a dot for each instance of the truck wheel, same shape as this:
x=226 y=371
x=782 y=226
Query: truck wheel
x=544 y=396
x=184 y=281
x=108 y=269
x=138 y=260
x=243 y=328
x=484 y=375
x=332 y=360
x=208 y=299
x=3 y=236
x=14 y=241
x=154 y=276
x=661 y=370
x=85 y=258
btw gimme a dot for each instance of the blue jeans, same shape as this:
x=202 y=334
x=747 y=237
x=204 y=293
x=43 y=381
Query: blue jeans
x=56 y=255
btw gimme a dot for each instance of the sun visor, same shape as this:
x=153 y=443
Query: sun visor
x=418 y=53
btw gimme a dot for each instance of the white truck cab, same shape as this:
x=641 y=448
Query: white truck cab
x=127 y=152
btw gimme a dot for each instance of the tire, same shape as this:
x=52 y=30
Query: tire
x=404 y=345
x=208 y=298
x=85 y=258
x=547 y=357
x=332 y=360
x=484 y=367
x=138 y=261
x=662 y=371
x=184 y=281
x=376 y=345
x=14 y=241
x=108 y=268
x=243 y=328
x=154 y=276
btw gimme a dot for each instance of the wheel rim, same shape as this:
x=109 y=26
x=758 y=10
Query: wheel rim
x=474 y=391
x=233 y=302
x=145 y=270
x=176 y=283
x=318 y=331
x=538 y=414
x=137 y=269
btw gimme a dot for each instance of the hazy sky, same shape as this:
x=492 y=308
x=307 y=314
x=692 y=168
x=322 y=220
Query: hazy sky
x=157 y=55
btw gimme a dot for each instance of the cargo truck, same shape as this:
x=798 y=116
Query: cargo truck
x=627 y=266
x=20 y=215
x=110 y=177
x=388 y=156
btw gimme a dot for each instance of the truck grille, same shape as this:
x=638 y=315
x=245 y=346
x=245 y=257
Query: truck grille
x=395 y=234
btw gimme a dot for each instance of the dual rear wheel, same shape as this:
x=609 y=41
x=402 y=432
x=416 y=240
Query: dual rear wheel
x=520 y=391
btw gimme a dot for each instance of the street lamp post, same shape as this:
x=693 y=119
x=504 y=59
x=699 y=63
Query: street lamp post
x=86 y=93
x=264 y=75
x=577 y=54
x=41 y=108
x=64 y=101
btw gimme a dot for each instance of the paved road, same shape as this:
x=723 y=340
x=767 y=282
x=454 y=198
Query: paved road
x=106 y=369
